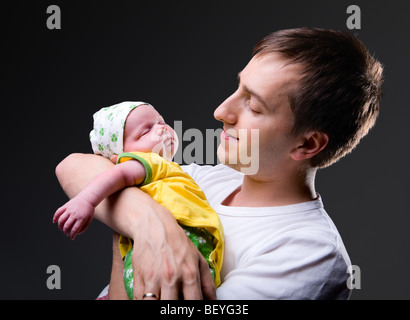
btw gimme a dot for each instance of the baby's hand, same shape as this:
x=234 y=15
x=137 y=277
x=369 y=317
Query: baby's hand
x=74 y=217
x=114 y=158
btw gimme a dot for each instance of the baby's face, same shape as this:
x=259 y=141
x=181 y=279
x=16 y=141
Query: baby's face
x=146 y=131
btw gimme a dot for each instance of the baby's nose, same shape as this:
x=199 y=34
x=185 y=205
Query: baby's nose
x=161 y=130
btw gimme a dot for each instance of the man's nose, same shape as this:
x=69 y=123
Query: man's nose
x=226 y=112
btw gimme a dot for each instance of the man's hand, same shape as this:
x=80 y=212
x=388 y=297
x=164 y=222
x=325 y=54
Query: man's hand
x=167 y=263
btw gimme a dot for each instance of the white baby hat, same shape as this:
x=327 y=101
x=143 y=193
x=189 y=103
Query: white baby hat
x=108 y=133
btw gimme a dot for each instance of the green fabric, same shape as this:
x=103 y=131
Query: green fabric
x=201 y=238
x=148 y=170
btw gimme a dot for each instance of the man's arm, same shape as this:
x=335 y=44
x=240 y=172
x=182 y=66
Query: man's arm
x=75 y=216
x=164 y=259
x=77 y=170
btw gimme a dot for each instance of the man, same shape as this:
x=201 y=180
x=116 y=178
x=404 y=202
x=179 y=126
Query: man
x=311 y=95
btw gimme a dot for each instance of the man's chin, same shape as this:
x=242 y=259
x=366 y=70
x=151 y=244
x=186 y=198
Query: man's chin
x=250 y=168
x=227 y=160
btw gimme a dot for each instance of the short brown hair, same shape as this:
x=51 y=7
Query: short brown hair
x=339 y=90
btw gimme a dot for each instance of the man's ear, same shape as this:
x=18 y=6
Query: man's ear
x=311 y=144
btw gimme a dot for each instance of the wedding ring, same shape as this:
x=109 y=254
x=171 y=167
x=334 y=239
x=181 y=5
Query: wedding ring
x=150 y=295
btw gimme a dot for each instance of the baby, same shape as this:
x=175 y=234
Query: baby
x=136 y=131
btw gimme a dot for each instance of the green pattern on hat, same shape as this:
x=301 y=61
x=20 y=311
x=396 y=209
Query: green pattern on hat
x=109 y=123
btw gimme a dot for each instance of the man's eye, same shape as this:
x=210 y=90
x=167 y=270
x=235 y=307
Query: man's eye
x=252 y=109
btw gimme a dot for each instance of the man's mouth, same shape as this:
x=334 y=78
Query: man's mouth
x=229 y=135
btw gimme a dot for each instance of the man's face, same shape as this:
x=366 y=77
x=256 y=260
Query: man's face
x=260 y=105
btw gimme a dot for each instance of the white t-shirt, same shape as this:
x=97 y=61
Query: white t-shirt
x=285 y=252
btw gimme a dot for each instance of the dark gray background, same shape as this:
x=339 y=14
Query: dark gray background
x=183 y=57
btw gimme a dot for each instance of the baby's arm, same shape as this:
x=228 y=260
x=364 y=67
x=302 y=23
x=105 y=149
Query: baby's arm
x=75 y=216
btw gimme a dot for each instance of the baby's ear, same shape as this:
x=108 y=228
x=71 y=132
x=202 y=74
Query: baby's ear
x=114 y=158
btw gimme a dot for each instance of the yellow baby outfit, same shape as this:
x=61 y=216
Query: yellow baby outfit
x=170 y=186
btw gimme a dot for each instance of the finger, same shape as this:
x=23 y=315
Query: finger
x=68 y=225
x=76 y=228
x=191 y=286
x=169 y=292
x=150 y=287
x=85 y=226
x=138 y=286
x=149 y=295
x=170 y=282
x=148 y=292
x=138 y=282
x=207 y=283
x=62 y=220
x=114 y=158
x=58 y=213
